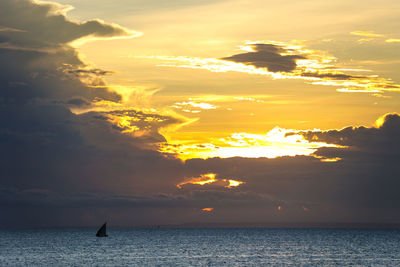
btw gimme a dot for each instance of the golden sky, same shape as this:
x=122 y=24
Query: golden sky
x=177 y=67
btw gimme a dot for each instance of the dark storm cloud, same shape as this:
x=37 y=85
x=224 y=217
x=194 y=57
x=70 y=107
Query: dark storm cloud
x=382 y=139
x=44 y=147
x=36 y=56
x=267 y=56
x=78 y=102
x=27 y=75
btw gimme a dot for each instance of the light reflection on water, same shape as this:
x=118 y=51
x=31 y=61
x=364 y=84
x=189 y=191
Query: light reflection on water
x=200 y=247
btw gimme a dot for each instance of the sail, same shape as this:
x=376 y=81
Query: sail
x=102 y=231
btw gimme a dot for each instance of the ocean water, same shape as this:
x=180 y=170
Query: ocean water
x=200 y=247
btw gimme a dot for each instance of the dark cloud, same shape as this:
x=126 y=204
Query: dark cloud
x=382 y=139
x=268 y=56
x=44 y=25
x=85 y=72
x=362 y=187
x=143 y=126
x=332 y=76
x=26 y=75
x=37 y=59
x=78 y=102
x=44 y=147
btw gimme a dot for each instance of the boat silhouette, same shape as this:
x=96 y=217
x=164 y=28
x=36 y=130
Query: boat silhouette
x=102 y=231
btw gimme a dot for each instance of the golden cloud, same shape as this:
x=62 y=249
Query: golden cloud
x=369 y=34
x=210 y=178
x=276 y=143
x=288 y=61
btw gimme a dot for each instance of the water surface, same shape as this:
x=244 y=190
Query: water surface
x=200 y=247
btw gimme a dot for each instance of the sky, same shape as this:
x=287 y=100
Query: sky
x=228 y=111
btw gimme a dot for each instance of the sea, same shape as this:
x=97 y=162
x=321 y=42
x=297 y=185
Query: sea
x=200 y=247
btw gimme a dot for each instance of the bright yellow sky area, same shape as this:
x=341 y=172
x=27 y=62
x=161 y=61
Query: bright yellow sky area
x=233 y=109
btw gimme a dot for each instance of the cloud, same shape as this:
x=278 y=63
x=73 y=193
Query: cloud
x=210 y=179
x=98 y=172
x=332 y=76
x=36 y=35
x=140 y=124
x=369 y=34
x=289 y=61
x=361 y=187
x=44 y=25
x=268 y=56
x=46 y=147
x=275 y=143
x=193 y=106
x=85 y=72
x=6 y=29
x=381 y=139
x=392 y=40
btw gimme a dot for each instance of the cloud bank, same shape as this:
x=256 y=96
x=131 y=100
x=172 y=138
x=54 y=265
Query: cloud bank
x=44 y=146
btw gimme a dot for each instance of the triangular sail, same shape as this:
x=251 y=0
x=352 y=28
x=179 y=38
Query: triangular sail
x=102 y=231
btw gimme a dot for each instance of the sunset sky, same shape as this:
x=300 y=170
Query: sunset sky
x=226 y=111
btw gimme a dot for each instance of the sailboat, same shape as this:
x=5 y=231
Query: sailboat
x=102 y=231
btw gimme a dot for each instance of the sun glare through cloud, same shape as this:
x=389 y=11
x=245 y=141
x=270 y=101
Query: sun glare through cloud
x=210 y=179
x=276 y=143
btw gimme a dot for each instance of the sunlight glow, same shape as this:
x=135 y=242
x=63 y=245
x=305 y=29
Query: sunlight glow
x=392 y=41
x=124 y=122
x=192 y=106
x=382 y=119
x=366 y=34
x=276 y=143
x=208 y=209
x=330 y=159
x=233 y=183
x=207 y=178
x=210 y=178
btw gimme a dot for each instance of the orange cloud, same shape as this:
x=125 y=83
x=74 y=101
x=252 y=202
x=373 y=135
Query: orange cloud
x=210 y=178
x=208 y=209
x=207 y=178
x=276 y=143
